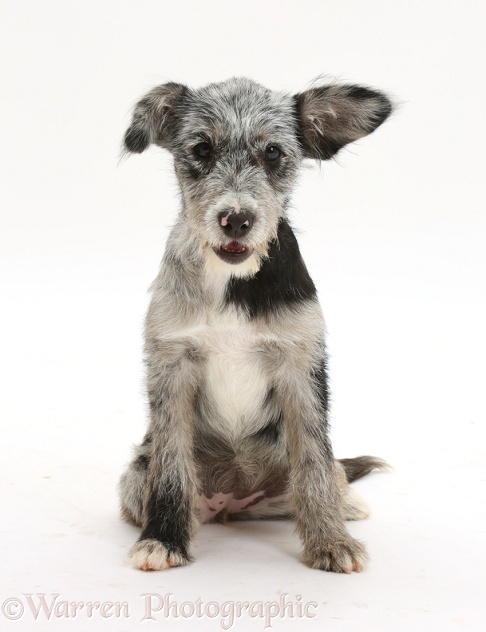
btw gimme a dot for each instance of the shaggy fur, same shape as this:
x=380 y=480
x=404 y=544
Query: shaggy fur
x=236 y=361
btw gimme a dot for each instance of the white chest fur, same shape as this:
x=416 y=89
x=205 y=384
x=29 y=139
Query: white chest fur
x=235 y=384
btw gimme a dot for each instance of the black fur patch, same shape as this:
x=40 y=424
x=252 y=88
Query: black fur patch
x=137 y=136
x=320 y=432
x=168 y=517
x=270 y=433
x=282 y=281
x=321 y=382
x=142 y=462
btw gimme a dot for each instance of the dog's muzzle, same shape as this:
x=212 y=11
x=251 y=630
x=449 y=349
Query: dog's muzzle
x=235 y=226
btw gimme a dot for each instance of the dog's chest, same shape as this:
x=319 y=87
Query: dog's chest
x=235 y=385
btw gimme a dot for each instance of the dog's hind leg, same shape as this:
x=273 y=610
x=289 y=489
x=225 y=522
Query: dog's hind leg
x=348 y=470
x=354 y=507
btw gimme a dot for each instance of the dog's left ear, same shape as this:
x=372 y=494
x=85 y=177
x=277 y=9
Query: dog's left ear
x=333 y=116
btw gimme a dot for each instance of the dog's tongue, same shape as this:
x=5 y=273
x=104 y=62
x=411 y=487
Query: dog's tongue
x=235 y=246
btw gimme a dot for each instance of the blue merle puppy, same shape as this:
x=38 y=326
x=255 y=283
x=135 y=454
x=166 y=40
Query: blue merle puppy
x=236 y=361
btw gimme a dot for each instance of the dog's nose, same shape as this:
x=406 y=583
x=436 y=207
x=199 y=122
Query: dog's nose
x=236 y=225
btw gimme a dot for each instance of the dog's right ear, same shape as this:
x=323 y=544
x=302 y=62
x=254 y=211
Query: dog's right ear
x=153 y=120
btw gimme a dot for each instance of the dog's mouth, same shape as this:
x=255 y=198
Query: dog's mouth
x=234 y=252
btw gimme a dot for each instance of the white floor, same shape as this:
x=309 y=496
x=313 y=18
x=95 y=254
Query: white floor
x=73 y=406
x=394 y=234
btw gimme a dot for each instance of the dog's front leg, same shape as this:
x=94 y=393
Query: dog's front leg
x=314 y=493
x=170 y=490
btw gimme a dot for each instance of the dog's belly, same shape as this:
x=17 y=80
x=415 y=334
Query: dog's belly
x=221 y=505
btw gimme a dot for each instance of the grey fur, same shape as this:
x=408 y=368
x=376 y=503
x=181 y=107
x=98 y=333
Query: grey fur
x=238 y=390
x=362 y=465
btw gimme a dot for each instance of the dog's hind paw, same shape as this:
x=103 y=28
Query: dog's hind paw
x=152 y=555
x=354 y=507
x=338 y=557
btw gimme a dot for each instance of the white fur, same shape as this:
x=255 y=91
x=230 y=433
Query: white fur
x=235 y=381
x=151 y=555
x=218 y=271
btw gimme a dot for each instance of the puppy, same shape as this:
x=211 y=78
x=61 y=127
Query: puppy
x=236 y=362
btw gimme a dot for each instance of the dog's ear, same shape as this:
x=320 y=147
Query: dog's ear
x=153 y=120
x=333 y=116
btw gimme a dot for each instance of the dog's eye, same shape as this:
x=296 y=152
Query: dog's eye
x=203 y=150
x=272 y=153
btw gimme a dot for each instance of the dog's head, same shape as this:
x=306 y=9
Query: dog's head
x=237 y=150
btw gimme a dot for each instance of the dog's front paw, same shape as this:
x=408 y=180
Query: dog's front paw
x=152 y=555
x=342 y=556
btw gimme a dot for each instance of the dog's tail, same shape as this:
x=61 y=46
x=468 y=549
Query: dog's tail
x=362 y=465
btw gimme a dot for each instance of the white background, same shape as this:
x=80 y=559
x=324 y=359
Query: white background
x=393 y=232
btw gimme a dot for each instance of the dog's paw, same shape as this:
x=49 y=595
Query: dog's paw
x=338 y=557
x=152 y=555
